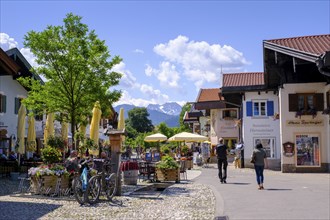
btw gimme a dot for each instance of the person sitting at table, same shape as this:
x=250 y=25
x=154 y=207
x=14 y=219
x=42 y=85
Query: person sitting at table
x=71 y=163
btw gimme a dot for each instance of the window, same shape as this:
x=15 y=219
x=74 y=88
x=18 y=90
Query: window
x=2 y=103
x=308 y=150
x=306 y=103
x=259 y=108
x=328 y=99
x=17 y=104
x=268 y=144
x=229 y=113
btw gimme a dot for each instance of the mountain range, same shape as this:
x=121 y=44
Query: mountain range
x=168 y=113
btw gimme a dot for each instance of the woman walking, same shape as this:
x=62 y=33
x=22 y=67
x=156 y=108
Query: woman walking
x=260 y=163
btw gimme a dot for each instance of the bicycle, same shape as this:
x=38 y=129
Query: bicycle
x=80 y=183
x=106 y=181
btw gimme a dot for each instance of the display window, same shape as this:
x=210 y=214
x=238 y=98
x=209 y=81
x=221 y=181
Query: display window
x=268 y=143
x=308 y=149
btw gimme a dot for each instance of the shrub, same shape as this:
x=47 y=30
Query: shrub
x=50 y=155
x=167 y=162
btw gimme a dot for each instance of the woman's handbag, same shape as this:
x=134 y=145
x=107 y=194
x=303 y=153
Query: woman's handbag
x=253 y=158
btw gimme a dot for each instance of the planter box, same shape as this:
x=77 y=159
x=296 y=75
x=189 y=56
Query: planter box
x=168 y=175
x=48 y=184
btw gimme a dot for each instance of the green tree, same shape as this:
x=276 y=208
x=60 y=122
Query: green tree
x=183 y=126
x=76 y=66
x=165 y=130
x=138 y=119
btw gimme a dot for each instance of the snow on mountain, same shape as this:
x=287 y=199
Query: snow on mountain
x=170 y=108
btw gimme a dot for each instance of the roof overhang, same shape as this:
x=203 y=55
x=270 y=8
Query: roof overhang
x=291 y=52
x=209 y=105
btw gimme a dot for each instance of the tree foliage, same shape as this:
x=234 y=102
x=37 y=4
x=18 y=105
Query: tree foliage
x=183 y=126
x=138 y=119
x=76 y=66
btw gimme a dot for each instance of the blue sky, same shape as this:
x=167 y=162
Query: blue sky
x=171 y=49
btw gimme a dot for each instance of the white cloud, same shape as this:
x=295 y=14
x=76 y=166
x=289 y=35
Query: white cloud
x=128 y=99
x=127 y=80
x=154 y=94
x=7 y=42
x=198 y=62
x=138 y=51
x=29 y=56
x=148 y=70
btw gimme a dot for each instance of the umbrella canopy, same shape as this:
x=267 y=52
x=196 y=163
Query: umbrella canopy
x=31 y=136
x=121 y=120
x=155 y=138
x=49 y=128
x=94 y=128
x=21 y=128
x=186 y=136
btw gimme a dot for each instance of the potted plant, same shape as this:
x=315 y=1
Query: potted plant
x=167 y=169
x=130 y=171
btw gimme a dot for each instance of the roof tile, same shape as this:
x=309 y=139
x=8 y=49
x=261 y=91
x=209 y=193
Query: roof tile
x=207 y=95
x=243 y=79
x=316 y=44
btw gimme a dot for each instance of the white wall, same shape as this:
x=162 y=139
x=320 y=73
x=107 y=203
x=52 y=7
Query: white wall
x=289 y=131
x=11 y=89
x=261 y=127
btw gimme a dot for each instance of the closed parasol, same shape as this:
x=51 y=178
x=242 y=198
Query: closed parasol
x=49 y=128
x=21 y=128
x=94 y=128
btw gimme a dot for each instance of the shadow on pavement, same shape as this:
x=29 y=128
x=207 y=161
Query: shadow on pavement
x=21 y=212
x=238 y=183
x=272 y=189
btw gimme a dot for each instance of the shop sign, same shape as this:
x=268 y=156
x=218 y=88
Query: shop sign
x=298 y=123
x=288 y=149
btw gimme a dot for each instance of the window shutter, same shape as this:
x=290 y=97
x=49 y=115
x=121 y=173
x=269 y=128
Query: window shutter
x=293 y=102
x=270 y=108
x=319 y=101
x=4 y=104
x=249 y=109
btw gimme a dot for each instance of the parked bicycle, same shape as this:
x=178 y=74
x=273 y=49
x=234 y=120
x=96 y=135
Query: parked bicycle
x=80 y=184
x=105 y=181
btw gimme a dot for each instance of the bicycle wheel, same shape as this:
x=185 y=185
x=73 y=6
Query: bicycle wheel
x=78 y=191
x=93 y=189
x=111 y=185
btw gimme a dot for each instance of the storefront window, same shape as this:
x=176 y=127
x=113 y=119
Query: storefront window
x=268 y=144
x=308 y=150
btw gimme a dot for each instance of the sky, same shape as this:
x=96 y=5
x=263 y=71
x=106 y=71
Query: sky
x=171 y=49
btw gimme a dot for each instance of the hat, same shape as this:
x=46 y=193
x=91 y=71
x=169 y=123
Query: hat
x=220 y=139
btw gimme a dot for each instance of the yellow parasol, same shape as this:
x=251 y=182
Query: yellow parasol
x=94 y=129
x=21 y=128
x=155 y=138
x=121 y=120
x=31 y=136
x=49 y=128
x=186 y=136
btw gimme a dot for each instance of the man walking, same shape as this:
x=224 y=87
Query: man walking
x=221 y=152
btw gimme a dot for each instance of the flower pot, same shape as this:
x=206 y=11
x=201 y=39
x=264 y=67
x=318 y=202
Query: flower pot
x=167 y=174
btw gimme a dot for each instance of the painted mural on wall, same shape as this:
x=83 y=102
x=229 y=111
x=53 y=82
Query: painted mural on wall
x=308 y=149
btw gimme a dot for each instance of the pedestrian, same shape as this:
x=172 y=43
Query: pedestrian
x=260 y=163
x=221 y=152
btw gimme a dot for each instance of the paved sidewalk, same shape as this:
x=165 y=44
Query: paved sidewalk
x=286 y=196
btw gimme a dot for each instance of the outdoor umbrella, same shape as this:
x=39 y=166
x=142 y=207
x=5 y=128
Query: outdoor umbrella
x=49 y=128
x=158 y=137
x=21 y=128
x=186 y=136
x=31 y=136
x=155 y=138
x=94 y=128
x=121 y=120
